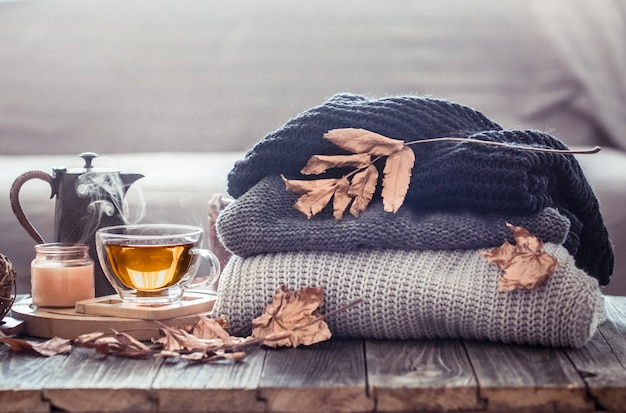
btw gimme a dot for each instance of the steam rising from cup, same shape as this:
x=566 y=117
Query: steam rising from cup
x=106 y=192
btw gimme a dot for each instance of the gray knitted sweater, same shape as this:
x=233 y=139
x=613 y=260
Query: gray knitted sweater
x=419 y=294
x=264 y=220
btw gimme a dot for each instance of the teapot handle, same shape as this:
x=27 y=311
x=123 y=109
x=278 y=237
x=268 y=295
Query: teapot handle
x=15 y=200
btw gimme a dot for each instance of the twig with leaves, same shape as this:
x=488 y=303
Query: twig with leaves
x=356 y=189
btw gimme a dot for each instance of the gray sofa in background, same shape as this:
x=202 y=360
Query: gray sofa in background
x=180 y=90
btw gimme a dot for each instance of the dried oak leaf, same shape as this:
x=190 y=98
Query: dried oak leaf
x=54 y=346
x=294 y=312
x=524 y=265
x=396 y=178
x=364 y=141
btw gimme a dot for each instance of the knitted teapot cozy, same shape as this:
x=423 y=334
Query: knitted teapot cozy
x=448 y=176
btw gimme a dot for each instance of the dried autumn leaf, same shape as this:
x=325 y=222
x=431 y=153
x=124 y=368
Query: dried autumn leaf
x=236 y=356
x=364 y=141
x=318 y=164
x=176 y=339
x=317 y=194
x=362 y=188
x=295 y=312
x=117 y=343
x=54 y=346
x=87 y=340
x=396 y=178
x=341 y=198
x=16 y=344
x=131 y=347
x=209 y=328
x=524 y=265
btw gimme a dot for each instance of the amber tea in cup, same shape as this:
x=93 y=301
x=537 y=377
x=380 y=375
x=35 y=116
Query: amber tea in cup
x=153 y=264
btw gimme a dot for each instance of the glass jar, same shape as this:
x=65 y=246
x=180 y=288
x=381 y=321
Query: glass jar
x=61 y=274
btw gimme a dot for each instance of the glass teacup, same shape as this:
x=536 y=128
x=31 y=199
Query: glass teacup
x=153 y=264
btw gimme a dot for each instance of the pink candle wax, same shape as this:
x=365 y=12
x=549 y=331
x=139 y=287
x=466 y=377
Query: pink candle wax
x=61 y=274
x=58 y=286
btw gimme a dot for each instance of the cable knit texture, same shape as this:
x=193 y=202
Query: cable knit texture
x=264 y=220
x=413 y=294
x=448 y=176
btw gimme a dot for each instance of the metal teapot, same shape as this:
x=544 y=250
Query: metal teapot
x=87 y=199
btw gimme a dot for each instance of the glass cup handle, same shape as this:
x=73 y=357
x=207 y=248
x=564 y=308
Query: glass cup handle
x=214 y=273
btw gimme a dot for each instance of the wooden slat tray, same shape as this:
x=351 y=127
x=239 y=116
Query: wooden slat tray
x=113 y=306
x=67 y=323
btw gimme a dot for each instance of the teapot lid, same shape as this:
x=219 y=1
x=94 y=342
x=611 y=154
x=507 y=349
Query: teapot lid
x=88 y=157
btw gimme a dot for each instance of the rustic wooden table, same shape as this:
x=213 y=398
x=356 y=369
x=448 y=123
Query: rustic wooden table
x=338 y=375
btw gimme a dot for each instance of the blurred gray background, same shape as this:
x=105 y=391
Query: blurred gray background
x=187 y=75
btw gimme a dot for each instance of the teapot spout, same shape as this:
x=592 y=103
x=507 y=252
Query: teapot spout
x=130 y=178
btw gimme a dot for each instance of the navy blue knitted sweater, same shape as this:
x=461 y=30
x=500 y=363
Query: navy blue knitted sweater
x=447 y=176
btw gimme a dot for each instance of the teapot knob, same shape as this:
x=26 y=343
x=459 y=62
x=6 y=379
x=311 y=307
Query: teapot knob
x=88 y=157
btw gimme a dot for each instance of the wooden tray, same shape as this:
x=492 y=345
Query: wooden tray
x=67 y=323
x=112 y=306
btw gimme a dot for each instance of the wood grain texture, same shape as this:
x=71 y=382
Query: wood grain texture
x=431 y=375
x=615 y=329
x=87 y=378
x=325 y=377
x=524 y=378
x=22 y=376
x=601 y=363
x=216 y=387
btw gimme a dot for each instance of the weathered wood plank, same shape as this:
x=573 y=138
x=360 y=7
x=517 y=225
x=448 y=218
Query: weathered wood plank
x=22 y=376
x=217 y=387
x=325 y=377
x=603 y=373
x=88 y=381
x=615 y=330
x=523 y=378
x=432 y=375
x=599 y=361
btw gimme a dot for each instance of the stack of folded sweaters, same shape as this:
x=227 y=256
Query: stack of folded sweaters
x=420 y=271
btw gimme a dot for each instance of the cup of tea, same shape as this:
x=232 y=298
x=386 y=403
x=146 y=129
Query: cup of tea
x=153 y=264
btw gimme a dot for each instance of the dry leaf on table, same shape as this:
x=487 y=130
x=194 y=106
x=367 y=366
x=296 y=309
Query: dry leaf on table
x=47 y=348
x=208 y=328
x=119 y=344
x=294 y=312
x=524 y=265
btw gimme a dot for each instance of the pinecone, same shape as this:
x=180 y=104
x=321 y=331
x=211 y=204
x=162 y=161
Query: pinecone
x=8 y=279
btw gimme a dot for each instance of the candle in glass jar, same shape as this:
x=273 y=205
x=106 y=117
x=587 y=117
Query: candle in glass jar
x=61 y=275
